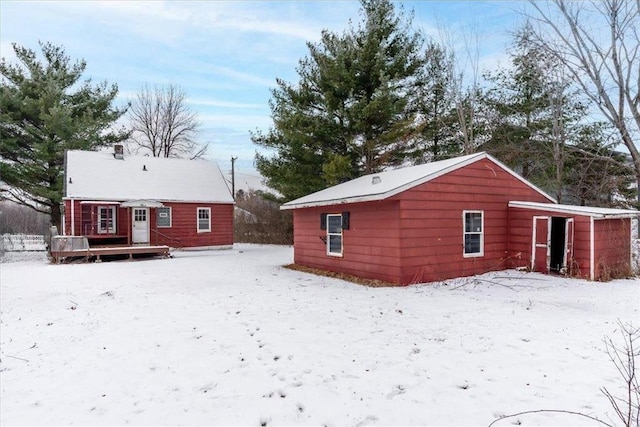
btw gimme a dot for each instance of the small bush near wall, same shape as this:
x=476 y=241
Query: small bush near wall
x=259 y=220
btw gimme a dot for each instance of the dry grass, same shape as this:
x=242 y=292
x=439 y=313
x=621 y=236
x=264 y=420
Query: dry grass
x=342 y=276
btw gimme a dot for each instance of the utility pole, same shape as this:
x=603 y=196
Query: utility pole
x=233 y=177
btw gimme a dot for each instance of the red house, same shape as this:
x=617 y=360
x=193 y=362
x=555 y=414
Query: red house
x=115 y=199
x=452 y=218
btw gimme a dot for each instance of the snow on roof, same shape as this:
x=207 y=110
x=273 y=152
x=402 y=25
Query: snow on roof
x=100 y=176
x=380 y=186
x=578 y=210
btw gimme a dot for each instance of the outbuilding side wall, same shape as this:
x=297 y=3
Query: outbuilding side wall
x=521 y=234
x=371 y=245
x=431 y=221
x=612 y=249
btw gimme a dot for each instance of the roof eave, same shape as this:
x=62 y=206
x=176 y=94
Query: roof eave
x=567 y=210
x=345 y=201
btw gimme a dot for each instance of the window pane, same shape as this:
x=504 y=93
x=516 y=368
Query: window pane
x=471 y=243
x=473 y=222
x=203 y=220
x=335 y=244
x=335 y=223
x=164 y=217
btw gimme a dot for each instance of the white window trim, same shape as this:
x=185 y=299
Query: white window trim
x=208 y=230
x=170 y=217
x=341 y=234
x=113 y=215
x=464 y=234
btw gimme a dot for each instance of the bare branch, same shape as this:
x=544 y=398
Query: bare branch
x=162 y=123
x=556 y=411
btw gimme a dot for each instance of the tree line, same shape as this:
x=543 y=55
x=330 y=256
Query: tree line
x=380 y=94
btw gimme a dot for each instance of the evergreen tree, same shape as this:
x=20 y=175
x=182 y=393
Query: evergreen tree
x=435 y=107
x=539 y=130
x=597 y=175
x=45 y=110
x=521 y=106
x=349 y=114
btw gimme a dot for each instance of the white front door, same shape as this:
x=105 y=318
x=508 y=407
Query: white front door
x=140 y=225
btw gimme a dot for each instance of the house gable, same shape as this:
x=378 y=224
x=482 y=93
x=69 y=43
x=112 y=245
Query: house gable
x=383 y=185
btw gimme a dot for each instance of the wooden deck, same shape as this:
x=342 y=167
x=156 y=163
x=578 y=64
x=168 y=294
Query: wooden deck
x=100 y=251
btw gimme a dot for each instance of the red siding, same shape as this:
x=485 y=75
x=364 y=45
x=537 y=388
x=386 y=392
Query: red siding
x=183 y=231
x=417 y=235
x=432 y=221
x=520 y=236
x=612 y=248
x=371 y=245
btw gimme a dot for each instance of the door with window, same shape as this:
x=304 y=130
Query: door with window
x=106 y=219
x=140 y=225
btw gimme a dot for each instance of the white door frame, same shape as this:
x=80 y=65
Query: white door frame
x=134 y=237
x=568 y=245
x=534 y=243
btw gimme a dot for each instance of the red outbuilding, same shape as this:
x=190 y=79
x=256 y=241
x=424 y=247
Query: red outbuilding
x=452 y=218
x=110 y=198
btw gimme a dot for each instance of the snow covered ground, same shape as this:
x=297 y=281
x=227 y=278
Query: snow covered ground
x=232 y=338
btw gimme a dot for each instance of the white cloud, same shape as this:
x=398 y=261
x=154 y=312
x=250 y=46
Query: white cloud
x=223 y=104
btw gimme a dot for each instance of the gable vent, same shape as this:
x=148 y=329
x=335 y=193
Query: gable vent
x=376 y=180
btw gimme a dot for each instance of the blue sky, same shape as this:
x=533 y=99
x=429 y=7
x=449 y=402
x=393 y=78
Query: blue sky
x=225 y=54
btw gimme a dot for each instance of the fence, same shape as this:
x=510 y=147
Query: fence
x=22 y=243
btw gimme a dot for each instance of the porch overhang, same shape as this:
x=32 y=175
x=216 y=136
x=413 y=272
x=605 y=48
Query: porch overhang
x=589 y=211
x=142 y=204
x=98 y=202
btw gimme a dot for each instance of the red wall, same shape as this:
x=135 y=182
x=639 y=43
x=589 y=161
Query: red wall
x=183 y=230
x=371 y=245
x=611 y=243
x=184 y=226
x=520 y=235
x=432 y=221
x=417 y=235
x=612 y=239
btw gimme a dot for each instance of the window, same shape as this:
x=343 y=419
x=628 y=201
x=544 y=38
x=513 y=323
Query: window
x=163 y=219
x=334 y=235
x=204 y=220
x=473 y=233
x=106 y=220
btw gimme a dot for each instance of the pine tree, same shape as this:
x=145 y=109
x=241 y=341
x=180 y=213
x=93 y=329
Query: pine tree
x=349 y=114
x=45 y=110
x=435 y=107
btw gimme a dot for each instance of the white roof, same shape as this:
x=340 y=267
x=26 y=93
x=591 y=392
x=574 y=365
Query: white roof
x=100 y=176
x=379 y=186
x=602 y=213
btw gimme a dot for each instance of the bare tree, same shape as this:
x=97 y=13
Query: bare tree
x=607 y=68
x=627 y=407
x=162 y=123
x=465 y=87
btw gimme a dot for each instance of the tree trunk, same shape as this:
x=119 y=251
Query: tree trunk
x=56 y=217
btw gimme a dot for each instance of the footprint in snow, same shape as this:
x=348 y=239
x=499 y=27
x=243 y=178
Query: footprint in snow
x=399 y=389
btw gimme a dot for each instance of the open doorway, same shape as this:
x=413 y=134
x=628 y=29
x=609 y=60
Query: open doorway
x=557 y=244
x=561 y=245
x=552 y=245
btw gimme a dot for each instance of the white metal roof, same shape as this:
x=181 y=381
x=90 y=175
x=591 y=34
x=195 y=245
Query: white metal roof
x=380 y=186
x=100 y=176
x=602 y=213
